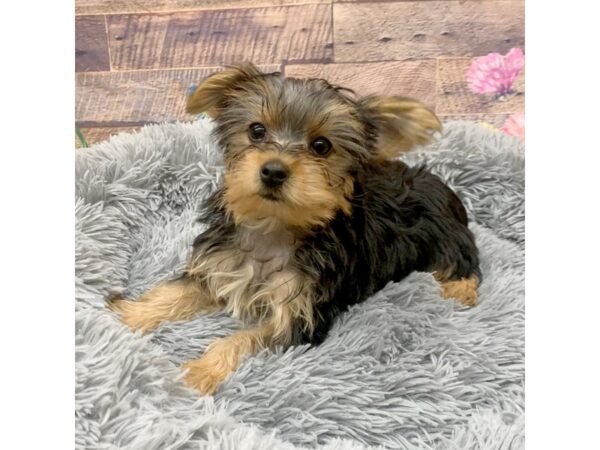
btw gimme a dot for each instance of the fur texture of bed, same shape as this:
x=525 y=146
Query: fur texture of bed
x=403 y=370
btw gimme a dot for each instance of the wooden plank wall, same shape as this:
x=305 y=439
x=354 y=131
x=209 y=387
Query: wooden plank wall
x=135 y=60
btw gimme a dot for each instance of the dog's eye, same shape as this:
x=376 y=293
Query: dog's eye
x=257 y=131
x=321 y=146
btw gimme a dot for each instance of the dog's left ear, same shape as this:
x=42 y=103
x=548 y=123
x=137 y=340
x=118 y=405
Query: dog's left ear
x=400 y=123
x=210 y=95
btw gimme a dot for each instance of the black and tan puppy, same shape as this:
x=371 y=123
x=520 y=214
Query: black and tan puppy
x=312 y=217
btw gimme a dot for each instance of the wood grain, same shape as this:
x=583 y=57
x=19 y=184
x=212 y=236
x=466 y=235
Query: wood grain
x=455 y=97
x=496 y=120
x=390 y=1
x=423 y=29
x=409 y=78
x=91 y=45
x=396 y=1
x=144 y=6
x=96 y=135
x=131 y=98
x=190 y=39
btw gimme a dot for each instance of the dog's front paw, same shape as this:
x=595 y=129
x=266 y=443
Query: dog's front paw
x=135 y=315
x=203 y=375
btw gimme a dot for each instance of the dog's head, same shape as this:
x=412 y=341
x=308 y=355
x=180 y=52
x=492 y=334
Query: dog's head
x=293 y=147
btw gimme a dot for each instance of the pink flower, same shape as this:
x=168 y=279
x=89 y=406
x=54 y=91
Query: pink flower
x=494 y=73
x=515 y=125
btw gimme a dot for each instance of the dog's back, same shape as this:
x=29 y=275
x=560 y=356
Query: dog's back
x=428 y=219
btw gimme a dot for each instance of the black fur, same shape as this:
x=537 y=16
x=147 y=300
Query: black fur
x=403 y=219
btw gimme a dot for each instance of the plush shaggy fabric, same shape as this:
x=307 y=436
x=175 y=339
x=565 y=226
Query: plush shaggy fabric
x=405 y=369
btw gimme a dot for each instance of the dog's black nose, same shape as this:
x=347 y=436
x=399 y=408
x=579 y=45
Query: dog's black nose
x=273 y=173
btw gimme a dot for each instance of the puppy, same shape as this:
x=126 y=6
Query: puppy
x=313 y=216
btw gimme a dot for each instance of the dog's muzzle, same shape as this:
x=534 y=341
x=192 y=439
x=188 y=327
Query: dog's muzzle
x=273 y=173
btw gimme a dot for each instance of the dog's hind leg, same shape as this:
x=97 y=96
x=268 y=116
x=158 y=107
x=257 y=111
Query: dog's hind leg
x=463 y=290
x=456 y=267
x=180 y=299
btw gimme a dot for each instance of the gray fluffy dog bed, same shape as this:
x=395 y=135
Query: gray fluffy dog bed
x=405 y=369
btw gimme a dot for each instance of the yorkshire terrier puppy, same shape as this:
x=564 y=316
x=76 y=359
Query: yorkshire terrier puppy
x=313 y=216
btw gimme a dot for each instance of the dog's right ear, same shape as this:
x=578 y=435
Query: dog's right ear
x=208 y=97
x=400 y=124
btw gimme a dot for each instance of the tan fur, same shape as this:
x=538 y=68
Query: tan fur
x=209 y=95
x=318 y=186
x=220 y=359
x=284 y=305
x=254 y=282
x=258 y=283
x=403 y=124
x=169 y=301
x=223 y=356
x=254 y=278
x=463 y=290
x=312 y=195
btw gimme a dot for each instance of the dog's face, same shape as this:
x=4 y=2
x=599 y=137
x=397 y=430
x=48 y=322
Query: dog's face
x=293 y=147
